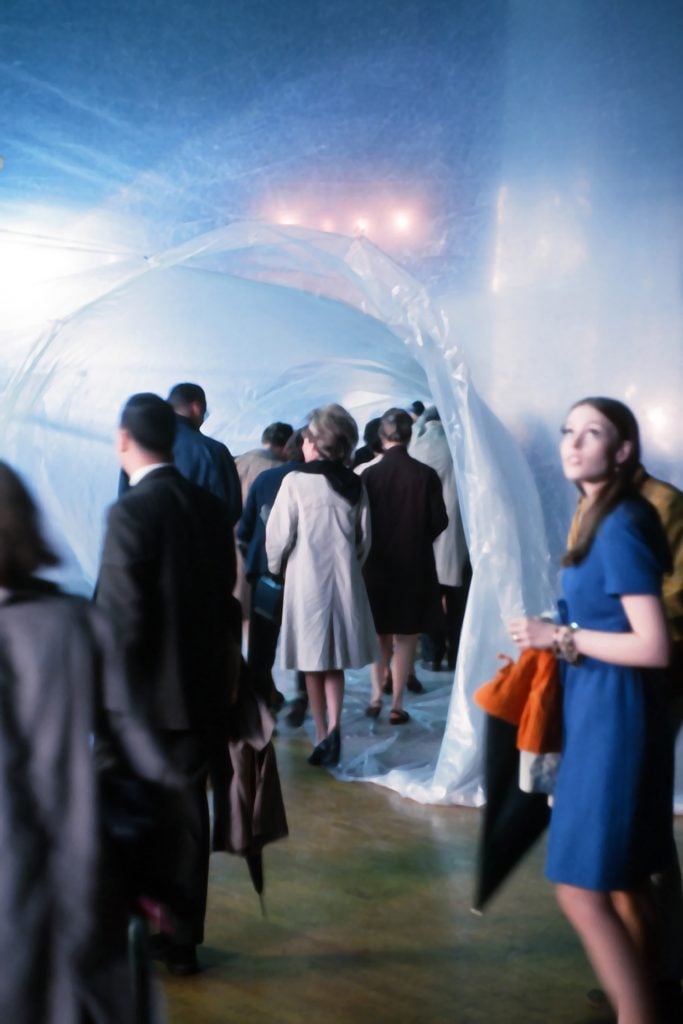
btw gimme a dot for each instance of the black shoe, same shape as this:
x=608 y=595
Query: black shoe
x=157 y=946
x=316 y=756
x=332 y=752
x=597 y=999
x=181 y=961
x=296 y=714
x=669 y=1002
x=388 y=683
x=328 y=751
x=414 y=685
x=276 y=700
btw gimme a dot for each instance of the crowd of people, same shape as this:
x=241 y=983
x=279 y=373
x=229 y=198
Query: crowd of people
x=115 y=712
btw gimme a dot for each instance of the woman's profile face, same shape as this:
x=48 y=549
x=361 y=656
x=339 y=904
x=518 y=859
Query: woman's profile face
x=309 y=450
x=590 y=446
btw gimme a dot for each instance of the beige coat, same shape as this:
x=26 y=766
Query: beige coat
x=324 y=540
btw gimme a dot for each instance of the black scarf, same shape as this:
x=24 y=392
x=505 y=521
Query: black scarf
x=340 y=478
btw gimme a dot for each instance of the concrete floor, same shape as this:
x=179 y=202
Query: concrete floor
x=369 y=922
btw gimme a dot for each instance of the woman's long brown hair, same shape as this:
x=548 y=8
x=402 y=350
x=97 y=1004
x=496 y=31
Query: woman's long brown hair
x=22 y=546
x=621 y=484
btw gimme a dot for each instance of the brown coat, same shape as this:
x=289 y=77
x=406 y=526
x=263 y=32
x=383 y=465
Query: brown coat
x=407 y=514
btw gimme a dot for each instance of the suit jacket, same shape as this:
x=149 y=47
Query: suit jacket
x=203 y=460
x=166 y=579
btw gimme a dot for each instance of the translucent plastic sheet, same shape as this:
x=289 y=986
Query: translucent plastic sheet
x=186 y=314
x=523 y=160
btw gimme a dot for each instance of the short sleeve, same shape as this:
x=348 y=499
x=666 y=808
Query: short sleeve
x=634 y=550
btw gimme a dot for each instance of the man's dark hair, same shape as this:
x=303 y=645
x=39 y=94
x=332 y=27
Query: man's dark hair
x=182 y=395
x=371 y=434
x=396 y=425
x=293 y=447
x=150 y=421
x=277 y=434
x=417 y=407
x=22 y=546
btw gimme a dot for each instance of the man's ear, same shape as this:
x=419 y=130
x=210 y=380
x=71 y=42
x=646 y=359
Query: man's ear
x=123 y=440
x=198 y=412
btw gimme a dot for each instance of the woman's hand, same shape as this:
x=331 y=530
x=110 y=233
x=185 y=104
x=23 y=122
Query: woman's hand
x=531 y=633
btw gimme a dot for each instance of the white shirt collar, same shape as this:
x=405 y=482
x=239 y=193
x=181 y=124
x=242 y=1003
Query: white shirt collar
x=141 y=473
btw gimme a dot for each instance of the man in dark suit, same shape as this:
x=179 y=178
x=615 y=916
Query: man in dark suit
x=166 y=579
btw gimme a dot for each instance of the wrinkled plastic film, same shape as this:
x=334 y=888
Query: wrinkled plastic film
x=183 y=316
x=539 y=148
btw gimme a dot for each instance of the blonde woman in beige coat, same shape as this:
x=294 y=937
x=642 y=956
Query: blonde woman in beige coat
x=319 y=529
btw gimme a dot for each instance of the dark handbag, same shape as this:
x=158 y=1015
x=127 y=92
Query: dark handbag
x=267 y=598
x=129 y=807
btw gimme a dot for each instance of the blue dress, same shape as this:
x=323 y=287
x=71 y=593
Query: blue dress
x=611 y=823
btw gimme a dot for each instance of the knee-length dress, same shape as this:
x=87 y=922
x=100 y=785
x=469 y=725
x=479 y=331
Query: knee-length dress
x=611 y=823
x=323 y=539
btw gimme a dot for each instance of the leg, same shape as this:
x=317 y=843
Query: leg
x=458 y=603
x=315 y=685
x=297 y=711
x=636 y=911
x=334 y=695
x=668 y=900
x=263 y=634
x=379 y=669
x=453 y=617
x=177 y=855
x=404 y=657
x=436 y=640
x=429 y=644
x=611 y=950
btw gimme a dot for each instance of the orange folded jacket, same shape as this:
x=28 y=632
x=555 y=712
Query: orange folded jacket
x=527 y=693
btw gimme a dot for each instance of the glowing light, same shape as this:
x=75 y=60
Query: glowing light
x=361 y=225
x=403 y=221
x=657 y=418
x=327 y=225
x=288 y=217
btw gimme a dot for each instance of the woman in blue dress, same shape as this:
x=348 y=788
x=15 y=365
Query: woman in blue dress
x=611 y=825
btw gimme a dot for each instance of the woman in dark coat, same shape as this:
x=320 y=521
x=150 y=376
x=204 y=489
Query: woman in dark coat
x=407 y=515
x=63 y=708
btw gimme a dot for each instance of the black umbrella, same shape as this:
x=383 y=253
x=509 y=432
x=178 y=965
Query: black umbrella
x=512 y=820
x=248 y=807
x=254 y=861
